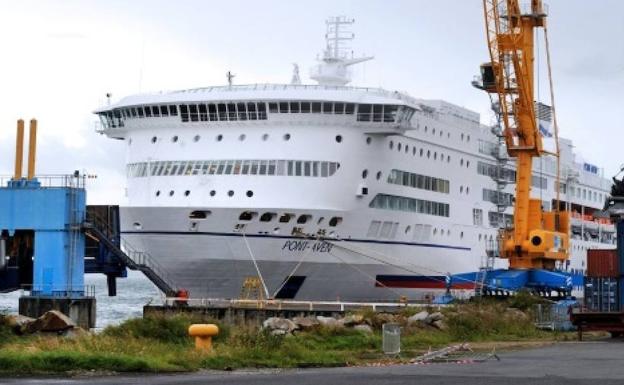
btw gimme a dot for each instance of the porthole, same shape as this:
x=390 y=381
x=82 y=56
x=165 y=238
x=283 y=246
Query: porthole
x=267 y=217
x=199 y=214
x=231 y=193
x=462 y=136
x=435 y=156
x=338 y=138
x=249 y=193
x=369 y=140
x=461 y=189
x=242 y=137
x=335 y=221
x=448 y=159
x=414 y=151
x=364 y=173
x=213 y=193
x=433 y=131
x=399 y=147
x=441 y=132
x=468 y=138
x=378 y=176
x=154 y=139
x=408 y=229
x=219 y=138
x=435 y=231
x=158 y=193
x=171 y=193
x=467 y=190
x=391 y=144
x=479 y=237
x=303 y=219
x=137 y=226
x=265 y=137
x=425 y=128
x=461 y=162
x=247 y=215
x=187 y=193
x=285 y=218
x=286 y=136
x=174 y=138
x=428 y=153
x=461 y=235
x=406 y=148
x=467 y=163
x=421 y=152
x=196 y=138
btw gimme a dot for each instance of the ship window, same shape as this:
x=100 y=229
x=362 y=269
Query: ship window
x=254 y=167
x=173 y=110
x=298 y=168
x=327 y=108
x=154 y=139
x=251 y=110
x=338 y=138
x=285 y=218
x=271 y=167
x=349 y=108
x=324 y=169
x=164 y=111
x=231 y=193
x=315 y=168
x=303 y=219
x=212 y=113
x=364 y=112
x=262 y=111
x=316 y=107
x=247 y=215
x=199 y=214
x=377 y=112
x=305 y=107
x=373 y=229
x=148 y=111
x=237 y=167
x=196 y=138
x=263 y=167
x=228 y=168
x=184 y=116
x=219 y=138
x=171 y=193
x=390 y=113
x=212 y=193
x=286 y=136
x=220 y=168
x=335 y=221
x=133 y=112
x=155 y=111
x=174 y=138
x=339 y=108
x=307 y=171
x=283 y=107
x=245 y=169
x=242 y=111
x=222 y=112
x=294 y=107
x=158 y=193
x=187 y=193
x=231 y=112
x=273 y=108
x=203 y=113
x=281 y=167
x=249 y=193
x=267 y=217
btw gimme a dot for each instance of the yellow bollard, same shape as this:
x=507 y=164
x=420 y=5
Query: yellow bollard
x=203 y=334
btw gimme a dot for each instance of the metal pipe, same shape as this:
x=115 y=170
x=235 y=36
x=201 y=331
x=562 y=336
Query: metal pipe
x=19 y=150
x=2 y=253
x=32 y=148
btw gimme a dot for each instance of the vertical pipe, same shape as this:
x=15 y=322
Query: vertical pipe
x=19 y=150
x=2 y=253
x=32 y=148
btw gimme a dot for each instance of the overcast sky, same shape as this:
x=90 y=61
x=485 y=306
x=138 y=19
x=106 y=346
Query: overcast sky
x=60 y=58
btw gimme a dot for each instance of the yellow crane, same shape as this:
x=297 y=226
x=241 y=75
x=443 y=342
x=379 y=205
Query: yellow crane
x=538 y=238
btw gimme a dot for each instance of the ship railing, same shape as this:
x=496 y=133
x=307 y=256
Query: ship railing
x=275 y=304
x=144 y=259
x=57 y=290
x=51 y=181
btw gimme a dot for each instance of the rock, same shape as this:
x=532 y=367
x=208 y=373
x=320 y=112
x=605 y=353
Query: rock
x=277 y=323
x=439 y=324
x=353 y=319
x=330 y=322
x=364 y=328
x=437 y=316
x=17 y=322
x=513 y=313
x=384 y=318
x=278 y=332
x=418 y=317
x=50 y=321
x=75 y=332
x=305 y=323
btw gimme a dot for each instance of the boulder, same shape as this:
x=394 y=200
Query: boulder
x=305 y=323
x=50 y=321
x=353 y=319
x=418 y=317
x=439 y=324
x=513 y=313
x=278 y=332
x=437 y=316
x=384 y=318
x=277 y=323
x=75 y=332
x=330 y=322
x=364 y=328
x=17 y=322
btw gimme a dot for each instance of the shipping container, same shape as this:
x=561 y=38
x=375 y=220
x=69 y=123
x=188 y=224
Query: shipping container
x=602 y=294
x=603 y=263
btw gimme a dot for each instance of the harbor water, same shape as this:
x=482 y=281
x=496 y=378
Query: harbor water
x=132 y=293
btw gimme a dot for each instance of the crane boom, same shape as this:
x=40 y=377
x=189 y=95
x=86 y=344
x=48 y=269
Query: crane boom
x=538 y=239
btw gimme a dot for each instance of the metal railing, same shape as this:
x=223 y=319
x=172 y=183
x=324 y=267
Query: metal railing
x=58 y=290
x=51 y=181
x=144 y=259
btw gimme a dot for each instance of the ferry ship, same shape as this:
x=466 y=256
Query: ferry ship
x=328 y=191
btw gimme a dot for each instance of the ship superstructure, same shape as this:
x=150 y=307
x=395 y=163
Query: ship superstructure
x=326 y=191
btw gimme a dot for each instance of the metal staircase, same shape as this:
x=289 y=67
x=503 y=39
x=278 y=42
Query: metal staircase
x=98 y=229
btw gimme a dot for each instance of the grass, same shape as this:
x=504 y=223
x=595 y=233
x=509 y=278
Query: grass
x=159 y=344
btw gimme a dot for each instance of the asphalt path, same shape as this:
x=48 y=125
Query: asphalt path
x=572 y=363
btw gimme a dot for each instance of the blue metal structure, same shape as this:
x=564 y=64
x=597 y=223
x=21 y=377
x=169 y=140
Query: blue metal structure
x=47 y=221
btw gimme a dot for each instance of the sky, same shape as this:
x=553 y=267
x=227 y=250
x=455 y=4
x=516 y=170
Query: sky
x=60 y=58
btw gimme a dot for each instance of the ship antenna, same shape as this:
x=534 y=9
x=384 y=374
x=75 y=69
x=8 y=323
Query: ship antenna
x=335 y=59
x=230 y=77
x=296 y=79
